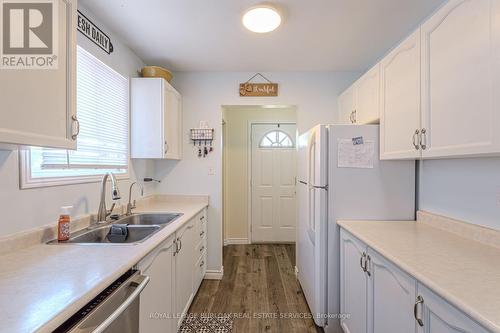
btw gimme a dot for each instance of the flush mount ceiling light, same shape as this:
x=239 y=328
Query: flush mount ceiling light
x=262 y=18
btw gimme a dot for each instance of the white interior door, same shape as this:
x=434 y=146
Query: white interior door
x=273 y=203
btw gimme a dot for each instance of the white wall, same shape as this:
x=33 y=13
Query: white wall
x=26 y=209
x=464 y=189
x=314 y=94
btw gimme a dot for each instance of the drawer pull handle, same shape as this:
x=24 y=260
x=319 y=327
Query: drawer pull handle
x=202 y=233
x=75 y=120
x=202 y=263
x=202 y=218
x=202 y=248
x=420 y=300
x=415 y=139
x=362 y=262
x=367 y=265
x=423 y=139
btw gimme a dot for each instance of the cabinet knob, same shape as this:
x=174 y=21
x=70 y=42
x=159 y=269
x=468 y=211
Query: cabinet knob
x=76 y=122
x=419 y=301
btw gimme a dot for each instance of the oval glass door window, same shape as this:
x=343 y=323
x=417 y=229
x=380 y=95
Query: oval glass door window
x=276 y=139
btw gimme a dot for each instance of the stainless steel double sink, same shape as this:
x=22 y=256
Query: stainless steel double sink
x=126 y=230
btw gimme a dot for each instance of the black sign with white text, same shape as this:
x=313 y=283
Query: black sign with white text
x=92 y=32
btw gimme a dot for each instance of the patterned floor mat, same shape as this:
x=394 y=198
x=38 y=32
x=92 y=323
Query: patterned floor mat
x=207 y=324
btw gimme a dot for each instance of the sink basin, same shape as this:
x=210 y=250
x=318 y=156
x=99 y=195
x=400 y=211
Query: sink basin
x=136 y=234
x=139 y=227
x=149 y=219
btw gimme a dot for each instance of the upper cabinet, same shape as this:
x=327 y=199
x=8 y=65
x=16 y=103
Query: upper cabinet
x=156 y=119
x=347 y=106
x=38 y=106
x=400 y=101
x=460 y=80
x=359 y=104
x=445 y=102
x=367 y=97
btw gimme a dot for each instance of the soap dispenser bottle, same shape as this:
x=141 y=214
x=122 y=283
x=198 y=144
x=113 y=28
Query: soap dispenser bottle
x=63 y=228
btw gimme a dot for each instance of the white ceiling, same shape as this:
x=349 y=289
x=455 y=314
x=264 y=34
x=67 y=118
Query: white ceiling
x=207 y=35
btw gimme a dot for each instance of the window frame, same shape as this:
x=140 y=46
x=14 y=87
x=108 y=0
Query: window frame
x=24 y=156
x=287 y=137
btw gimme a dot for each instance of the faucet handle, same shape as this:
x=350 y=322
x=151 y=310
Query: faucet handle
x=111 y=209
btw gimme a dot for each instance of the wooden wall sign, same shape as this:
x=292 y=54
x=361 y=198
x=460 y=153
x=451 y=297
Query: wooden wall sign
x=249 y=89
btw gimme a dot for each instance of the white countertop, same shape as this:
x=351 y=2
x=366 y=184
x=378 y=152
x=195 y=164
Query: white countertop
x=463 y=271
x=43 y=285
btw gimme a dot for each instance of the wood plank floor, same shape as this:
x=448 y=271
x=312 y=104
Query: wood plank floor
x=259 y=290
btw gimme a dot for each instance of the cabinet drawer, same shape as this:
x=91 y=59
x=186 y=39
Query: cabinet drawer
x=200 y=269
x=201 y=222
x=201 y=248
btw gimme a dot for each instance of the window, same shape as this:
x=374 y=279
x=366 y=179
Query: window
x=276 y=139
x=103 y=112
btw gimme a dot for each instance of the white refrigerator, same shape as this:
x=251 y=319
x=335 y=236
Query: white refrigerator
x=340 y=176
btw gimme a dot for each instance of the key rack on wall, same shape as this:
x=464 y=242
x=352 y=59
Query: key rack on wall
x=203 y=140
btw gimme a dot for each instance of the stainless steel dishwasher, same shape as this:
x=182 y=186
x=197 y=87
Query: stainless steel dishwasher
x=115 y=310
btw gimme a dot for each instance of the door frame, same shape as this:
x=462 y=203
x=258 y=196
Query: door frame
x=249 y=165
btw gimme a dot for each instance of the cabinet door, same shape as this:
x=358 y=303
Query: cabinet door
x=367 y=97
x=184 y=263
x=38 y=105
x=157 y=299
x=347 y=107
x=400 y=101
x=460 y=79
x=440 y=317
x=391 y=296
x=173 y=123
x=353 y=285
x=147 y=106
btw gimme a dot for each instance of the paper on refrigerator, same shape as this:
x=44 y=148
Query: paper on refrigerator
x=355 y=155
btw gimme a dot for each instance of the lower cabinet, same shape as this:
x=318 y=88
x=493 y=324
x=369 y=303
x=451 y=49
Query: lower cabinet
x=353 y=281
x=157 y=303
x=438 y=316
x=184 y=259
x=378 y=297
x=176 y=269
x=391 y=296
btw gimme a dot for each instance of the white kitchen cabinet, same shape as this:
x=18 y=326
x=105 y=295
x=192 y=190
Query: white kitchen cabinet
x=347 y=106
x=359 y=104
x=460 y=80
x=438 y=316
x=156 y=119
x=157 y=299
x=400 y=101
x=353 y=284
x=39 y=105
x=367 y=97
x=391 y=297
x=379 y=297
x=200 y=266
x=184 y=271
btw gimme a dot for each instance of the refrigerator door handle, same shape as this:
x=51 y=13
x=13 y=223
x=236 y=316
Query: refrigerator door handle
x=325 y=187
x=302 y=182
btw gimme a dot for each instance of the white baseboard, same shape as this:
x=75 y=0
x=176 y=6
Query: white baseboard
x=213 y=274
x=235 y=241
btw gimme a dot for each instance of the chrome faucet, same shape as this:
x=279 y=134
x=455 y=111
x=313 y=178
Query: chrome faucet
x=103 y=213
x=131 y=206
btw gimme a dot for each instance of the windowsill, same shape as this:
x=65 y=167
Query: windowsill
x=26 y=182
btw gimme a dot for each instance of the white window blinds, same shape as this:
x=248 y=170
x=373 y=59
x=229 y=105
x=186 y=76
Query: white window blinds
x=102 y=107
